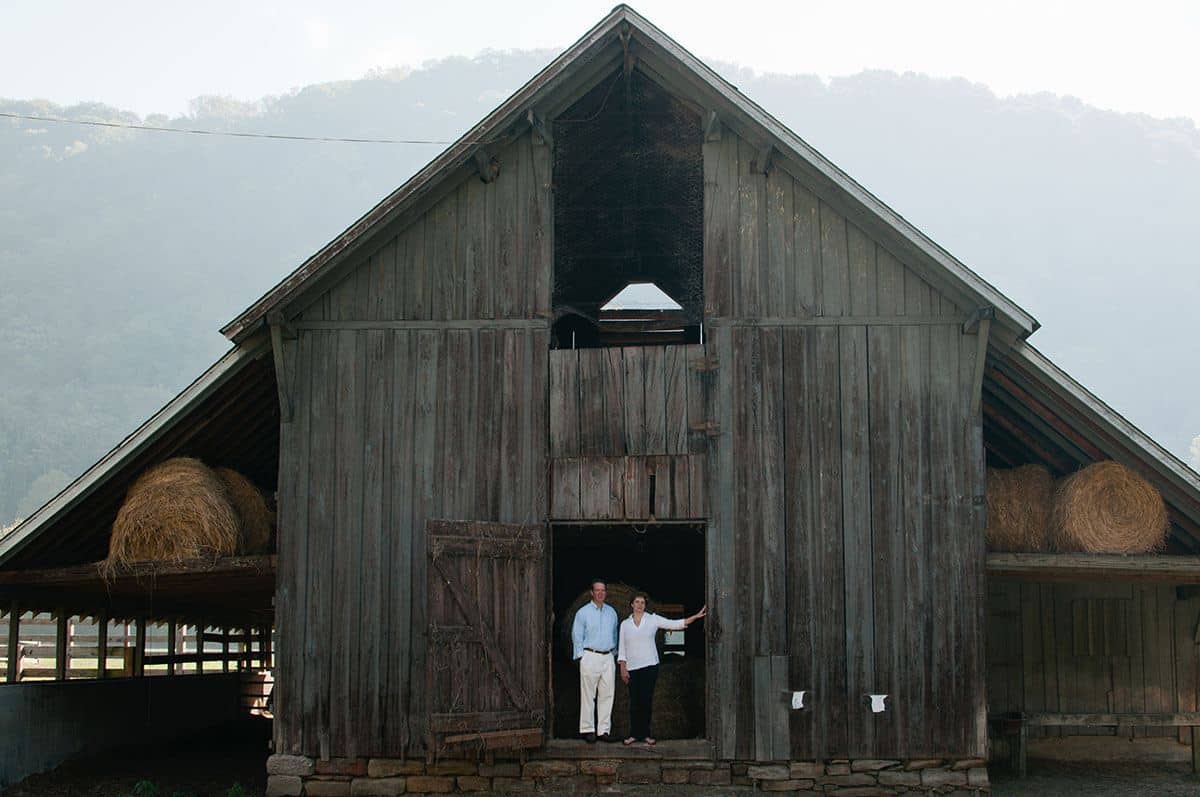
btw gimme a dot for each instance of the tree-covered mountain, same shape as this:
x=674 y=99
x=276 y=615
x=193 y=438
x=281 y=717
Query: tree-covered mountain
x=122 y=252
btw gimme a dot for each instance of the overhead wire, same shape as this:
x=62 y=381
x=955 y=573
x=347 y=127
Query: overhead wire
x=229 y=133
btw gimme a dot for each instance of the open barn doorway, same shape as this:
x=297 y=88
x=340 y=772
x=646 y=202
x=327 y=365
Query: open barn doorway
x=667 y=562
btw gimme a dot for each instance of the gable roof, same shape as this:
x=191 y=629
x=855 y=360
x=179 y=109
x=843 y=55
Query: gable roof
x=595 y=55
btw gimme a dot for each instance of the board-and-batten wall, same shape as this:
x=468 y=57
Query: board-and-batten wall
x=845 y=543
x=1092 y=647
x=395 y=423
x=845 y=437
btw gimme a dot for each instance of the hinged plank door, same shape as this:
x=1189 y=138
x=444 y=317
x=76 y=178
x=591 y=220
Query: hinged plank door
x=485 y=672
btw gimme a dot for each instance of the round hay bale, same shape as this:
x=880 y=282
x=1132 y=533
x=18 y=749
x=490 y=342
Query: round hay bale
x=175 y=511
x=255 y=518
x=1107 y=508
x=1019 y=503
x=619 y=597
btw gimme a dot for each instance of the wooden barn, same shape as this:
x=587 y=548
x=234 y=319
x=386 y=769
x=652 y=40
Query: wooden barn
x=464 y=425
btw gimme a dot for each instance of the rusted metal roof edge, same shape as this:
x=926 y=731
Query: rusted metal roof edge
x=230 y=364
x=508 y=113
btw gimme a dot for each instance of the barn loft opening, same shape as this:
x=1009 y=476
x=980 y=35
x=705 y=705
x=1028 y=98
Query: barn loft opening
x=667 y=562
x=628 y=213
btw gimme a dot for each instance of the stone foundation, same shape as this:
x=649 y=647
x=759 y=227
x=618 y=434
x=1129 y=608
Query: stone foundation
x=292 y=776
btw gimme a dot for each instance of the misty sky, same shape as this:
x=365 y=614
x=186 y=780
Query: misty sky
x=154 y=56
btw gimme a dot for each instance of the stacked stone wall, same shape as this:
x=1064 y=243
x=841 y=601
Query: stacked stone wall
x=294 y=776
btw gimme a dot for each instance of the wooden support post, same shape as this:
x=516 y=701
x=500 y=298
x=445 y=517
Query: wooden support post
x=224 y=648
x=102 y=645
x=1022 y=750
x=139 y=649
x=1195 y=750
x=282 y=378
x=200 y=647
x=265 y=647
x=171 y=635
x=61 y=645
x=14 y=643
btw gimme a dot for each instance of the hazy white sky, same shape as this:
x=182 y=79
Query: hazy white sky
x=155 y=56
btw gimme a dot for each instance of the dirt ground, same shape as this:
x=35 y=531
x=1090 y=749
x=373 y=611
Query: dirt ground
x=229 y=763
x=1093 y=779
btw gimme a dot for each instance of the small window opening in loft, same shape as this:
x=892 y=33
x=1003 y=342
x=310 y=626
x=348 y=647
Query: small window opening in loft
x=628 y=217
x=640 y=314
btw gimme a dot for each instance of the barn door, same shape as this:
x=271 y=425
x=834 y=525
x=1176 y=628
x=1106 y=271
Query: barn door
x=485 y=674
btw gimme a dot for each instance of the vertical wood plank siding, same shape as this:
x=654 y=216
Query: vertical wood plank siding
x=396 y=426
x=841 y=482
x=845 y=532
x=1091 y=647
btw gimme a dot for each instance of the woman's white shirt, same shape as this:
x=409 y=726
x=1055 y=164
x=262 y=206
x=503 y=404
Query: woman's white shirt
x=636 y=646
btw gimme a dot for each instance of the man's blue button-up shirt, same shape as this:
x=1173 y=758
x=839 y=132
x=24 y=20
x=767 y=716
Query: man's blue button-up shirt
x=595 y=627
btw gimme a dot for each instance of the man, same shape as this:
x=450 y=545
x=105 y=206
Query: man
x=594 y=636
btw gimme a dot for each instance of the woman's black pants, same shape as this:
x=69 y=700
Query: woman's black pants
x=641 y=700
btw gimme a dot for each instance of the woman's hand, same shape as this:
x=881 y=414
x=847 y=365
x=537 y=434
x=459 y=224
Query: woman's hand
x=624 y=673
x=703 y=611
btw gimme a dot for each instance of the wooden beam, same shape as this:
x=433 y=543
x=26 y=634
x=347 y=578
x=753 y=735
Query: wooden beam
x=171 y=641
x=138 y=571
x=102 y=645
x=984 y=326
x=541 y=131
x=465 y=323
x=60 y=646
x=762 y=160
x=139 y=650
x=1049 y=720
x=282 y=381
x=486 y=166
x=712 y=127
x=1141 y=568
x=14 y=643
x=977 y=316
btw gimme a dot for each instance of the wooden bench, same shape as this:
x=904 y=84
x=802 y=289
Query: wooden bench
x=1019 y=725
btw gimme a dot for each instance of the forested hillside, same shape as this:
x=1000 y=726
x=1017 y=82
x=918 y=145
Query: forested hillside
x=122 y=252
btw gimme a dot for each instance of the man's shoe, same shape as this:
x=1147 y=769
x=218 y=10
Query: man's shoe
x=590 y=738
x=604 y=737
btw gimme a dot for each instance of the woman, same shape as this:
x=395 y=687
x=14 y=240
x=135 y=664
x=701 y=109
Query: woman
x=637 y=655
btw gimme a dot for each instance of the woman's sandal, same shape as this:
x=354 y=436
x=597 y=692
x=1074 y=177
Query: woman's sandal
x=629 y=741
x=651 y=740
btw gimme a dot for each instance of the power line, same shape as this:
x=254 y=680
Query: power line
x=229 y=133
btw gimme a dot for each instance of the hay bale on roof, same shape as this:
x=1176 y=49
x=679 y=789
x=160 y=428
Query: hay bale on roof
x=175 y=511
x=1108 y=508
x=1019 y=504
x=255 y=518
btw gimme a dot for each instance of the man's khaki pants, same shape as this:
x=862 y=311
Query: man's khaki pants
x=597 y=673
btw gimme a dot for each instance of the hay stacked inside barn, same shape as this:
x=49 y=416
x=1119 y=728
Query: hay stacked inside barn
x=1108 y=508
x=255 y=519
x=181 y=509
x=1019 y=504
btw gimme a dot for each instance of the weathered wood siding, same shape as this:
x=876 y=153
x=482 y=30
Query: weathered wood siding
x=629 y=488
x=482 y=251
x=633 y=401
x=407 y=408
x=1094 y=647
x=845 y=545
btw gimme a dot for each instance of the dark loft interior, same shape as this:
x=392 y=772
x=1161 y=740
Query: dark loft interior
x=628 y=208
x=667 y=561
